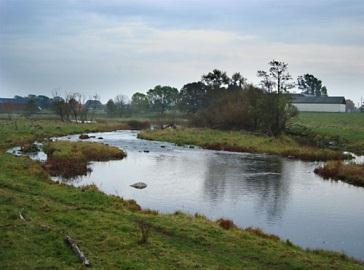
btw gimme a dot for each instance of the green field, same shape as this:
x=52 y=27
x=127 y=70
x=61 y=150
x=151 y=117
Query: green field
x=106 y=227
x=347 y=127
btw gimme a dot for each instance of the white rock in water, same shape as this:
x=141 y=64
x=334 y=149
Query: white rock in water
x=139 y=185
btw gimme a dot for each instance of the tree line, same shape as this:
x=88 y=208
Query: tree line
x=216 y=101
x=230 y=102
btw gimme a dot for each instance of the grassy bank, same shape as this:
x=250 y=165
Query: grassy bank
x=24 y=131
x=345 y=129
x=71 y=158
x=107 y=228
x=241 y=142
x=349 y=173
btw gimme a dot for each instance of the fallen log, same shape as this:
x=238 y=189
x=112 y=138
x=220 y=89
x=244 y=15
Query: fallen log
x=77 y=251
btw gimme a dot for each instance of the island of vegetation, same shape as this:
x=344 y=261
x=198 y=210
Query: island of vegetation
x=336 y=170
x=36 y=214
x=69 y=159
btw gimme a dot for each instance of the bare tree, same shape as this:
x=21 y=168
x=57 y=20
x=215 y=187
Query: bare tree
x=277 y=78
x=266 y=82
x=74 y=100
x=59 y=105
x=121 y=104
x=84 y=109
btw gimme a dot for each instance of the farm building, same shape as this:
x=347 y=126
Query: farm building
x=319 y=103
x=13 y=104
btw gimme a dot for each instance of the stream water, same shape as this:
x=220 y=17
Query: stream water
x=279 y=195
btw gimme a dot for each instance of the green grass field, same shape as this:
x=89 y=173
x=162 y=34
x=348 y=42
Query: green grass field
x=106 y=227
x=348 y=127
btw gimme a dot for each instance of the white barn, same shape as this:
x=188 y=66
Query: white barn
x=319 y=104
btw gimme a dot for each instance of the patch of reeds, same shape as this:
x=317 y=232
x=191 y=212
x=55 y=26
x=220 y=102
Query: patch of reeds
x=336 y=170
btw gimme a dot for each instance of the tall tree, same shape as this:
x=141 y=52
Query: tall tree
x=193 y=96
x=310 y=85
x=350 y=106
x=121 y=104
x=139 y=102
x=162 y=98
x=238 y=80
x=277 y=78
x=266 y=81
x=110 y=108
x=216 y=79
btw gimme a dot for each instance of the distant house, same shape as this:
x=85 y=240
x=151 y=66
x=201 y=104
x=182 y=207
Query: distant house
x=94 y=104
x=13 y=104
x=318 y=103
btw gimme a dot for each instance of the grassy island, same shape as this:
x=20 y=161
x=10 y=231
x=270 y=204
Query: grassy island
x=36 y=214
x=71 y=158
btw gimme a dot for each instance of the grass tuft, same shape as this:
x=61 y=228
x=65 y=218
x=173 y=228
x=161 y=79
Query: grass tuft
x=226 y=224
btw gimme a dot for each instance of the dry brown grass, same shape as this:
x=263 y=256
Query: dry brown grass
x=260 y=233
x=226 y=224
x=70 y=159
x=337 y=170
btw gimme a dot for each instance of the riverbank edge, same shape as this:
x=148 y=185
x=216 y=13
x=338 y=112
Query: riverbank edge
x=29 y=180
x=237 y=141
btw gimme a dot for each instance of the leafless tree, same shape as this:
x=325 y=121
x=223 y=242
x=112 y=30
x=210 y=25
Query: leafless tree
x=74 y=105
x=59 y=105
x=121 y=104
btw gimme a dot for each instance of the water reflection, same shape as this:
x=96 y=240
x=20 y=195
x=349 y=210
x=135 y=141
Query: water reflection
x=230 y=177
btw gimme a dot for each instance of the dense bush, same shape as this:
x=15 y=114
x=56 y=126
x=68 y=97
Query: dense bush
x=250 y=109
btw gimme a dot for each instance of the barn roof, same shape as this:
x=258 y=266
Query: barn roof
x=317 y=100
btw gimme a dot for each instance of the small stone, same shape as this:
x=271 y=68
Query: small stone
x=139 y=185
x=84 y=137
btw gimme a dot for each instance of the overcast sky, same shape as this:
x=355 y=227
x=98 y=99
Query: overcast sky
x=119 y=47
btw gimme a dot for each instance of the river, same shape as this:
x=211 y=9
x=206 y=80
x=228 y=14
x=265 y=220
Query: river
x=281 y=196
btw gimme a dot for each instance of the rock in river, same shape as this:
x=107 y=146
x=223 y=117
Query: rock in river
x=84 y=137
x=139 y=185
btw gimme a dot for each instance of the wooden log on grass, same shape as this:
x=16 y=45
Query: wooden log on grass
x=77 y=251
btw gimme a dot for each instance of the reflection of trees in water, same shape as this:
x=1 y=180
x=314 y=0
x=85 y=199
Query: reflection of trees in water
x=232 y=177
